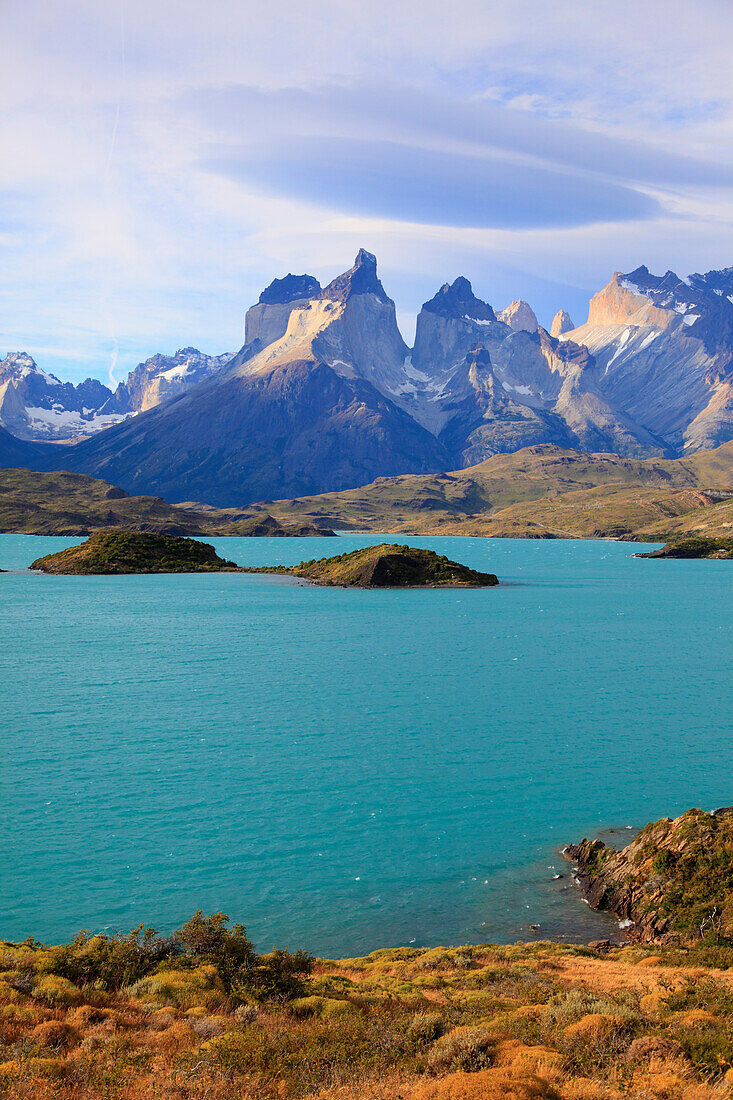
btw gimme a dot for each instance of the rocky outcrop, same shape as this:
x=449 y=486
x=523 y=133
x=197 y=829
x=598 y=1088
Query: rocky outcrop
x=561 y=323
x=164 y=376
x=713 y=548
x=520 y=317
x=663 y=351
x=388 y=566
x=673 y=881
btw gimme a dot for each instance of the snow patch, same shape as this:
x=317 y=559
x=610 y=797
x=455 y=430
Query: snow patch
x=175 y=372
x=621 y=344
x=526 y=390
x=52 y=420
x=691 y=318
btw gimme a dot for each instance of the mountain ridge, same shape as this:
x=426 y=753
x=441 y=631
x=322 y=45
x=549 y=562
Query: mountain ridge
x=325 y=394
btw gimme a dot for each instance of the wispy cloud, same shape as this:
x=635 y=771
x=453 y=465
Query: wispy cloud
x=162 y=161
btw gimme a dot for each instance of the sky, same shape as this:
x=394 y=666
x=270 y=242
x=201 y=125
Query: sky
x=161 y=162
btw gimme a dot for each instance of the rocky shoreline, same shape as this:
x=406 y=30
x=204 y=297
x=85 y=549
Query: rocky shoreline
x=672 y=883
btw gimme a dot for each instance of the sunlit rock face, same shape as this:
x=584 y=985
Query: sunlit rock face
x=164 y=376
x=663 y=350
x=519 y=316
x=561 y=323
x=268 y=320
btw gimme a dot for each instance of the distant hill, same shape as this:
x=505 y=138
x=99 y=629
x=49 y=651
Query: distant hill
x=63 y=503
x=542 y=491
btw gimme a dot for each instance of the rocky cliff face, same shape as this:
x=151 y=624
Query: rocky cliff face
x=164 y=376
x=561 y=323
x=549 y=389
x=663 y=350
x=519 y=316
x=673 y=881
x=267 y=321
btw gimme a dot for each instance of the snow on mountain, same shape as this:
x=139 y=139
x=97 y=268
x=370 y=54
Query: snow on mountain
x=663 y=350
x=164 y=376
x=35 y=405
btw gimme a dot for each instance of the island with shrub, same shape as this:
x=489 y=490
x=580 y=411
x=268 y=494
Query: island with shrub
x=699 y=547
x=386 y=566
x=126 y=552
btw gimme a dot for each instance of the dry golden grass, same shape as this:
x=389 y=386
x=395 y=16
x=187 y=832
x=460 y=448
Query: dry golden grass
x=521 y=1022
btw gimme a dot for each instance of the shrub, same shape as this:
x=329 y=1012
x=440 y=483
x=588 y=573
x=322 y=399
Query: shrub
x=208 y=1027
x=111 y=961
x=425 y=1028
x=306 y=1006
x=463 y=1048
x=245 y=1014
x=56 y=1034
x=56 y=990
x=183 y=988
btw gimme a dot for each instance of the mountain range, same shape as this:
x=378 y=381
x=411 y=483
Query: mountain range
x=325 y=394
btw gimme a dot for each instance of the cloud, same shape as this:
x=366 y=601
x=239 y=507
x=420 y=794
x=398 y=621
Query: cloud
x=533 y=147
x=410 y=184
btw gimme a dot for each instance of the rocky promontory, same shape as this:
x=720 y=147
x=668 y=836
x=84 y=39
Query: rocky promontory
x=387 y=566
x=124 y=552
x=673 y=882
x=721 y=548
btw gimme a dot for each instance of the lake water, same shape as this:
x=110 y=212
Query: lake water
x=342 y=770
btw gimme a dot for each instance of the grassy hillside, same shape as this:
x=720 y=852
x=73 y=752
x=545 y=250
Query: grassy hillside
x=201 y=1016
x=537 y=491
x=74 y=504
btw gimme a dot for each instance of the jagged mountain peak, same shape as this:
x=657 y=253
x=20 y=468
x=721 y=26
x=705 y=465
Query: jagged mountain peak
x=289 y=289
x=561 y=323
x=457 y=299
x=520 y=316
x=362 y=278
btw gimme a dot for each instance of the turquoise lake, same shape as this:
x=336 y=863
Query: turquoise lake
x=342 y=770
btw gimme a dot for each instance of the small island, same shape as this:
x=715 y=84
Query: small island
x=713 y=548
x=124 y=552
x=386 y=566
x=118 y=551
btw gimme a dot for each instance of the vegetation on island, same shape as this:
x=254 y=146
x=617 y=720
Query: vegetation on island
x=386 y=566
x=201 y=1015
x=720 y=548
x=67 y=504
x=125 y=552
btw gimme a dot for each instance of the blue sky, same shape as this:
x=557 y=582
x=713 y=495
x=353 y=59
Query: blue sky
x=163 y=161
